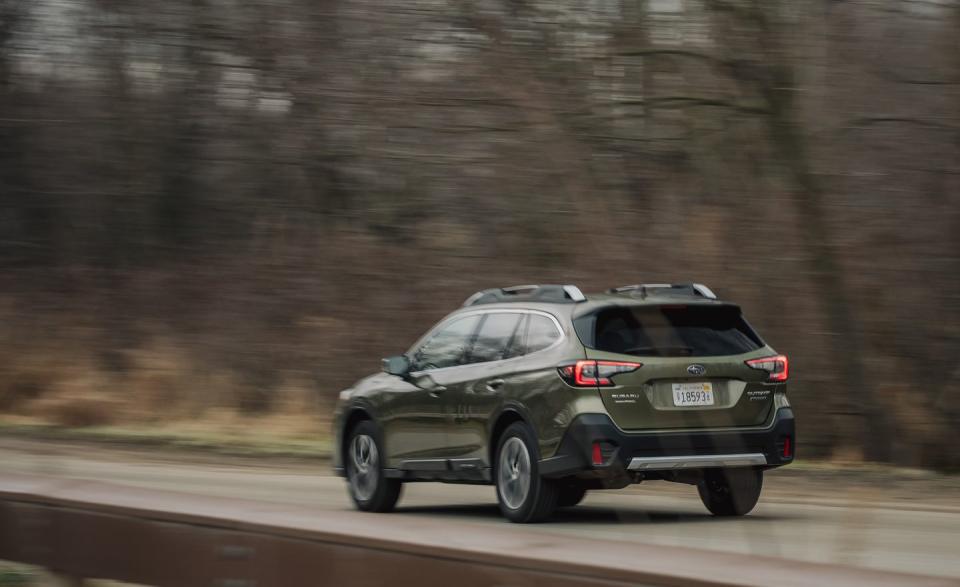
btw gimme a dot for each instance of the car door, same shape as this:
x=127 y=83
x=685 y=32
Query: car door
x=484 y=381
x=416 y=421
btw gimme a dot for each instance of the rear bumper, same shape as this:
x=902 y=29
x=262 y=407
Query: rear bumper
x=667 y=451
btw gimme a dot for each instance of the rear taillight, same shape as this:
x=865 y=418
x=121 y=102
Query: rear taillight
x=595 y=373
x=777 y=368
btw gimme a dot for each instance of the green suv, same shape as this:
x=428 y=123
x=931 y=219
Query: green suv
x=547 y=393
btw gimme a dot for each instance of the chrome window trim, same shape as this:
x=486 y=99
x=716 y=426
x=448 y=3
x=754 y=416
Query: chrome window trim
x=458 y=315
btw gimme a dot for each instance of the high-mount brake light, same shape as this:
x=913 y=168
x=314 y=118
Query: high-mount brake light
x=591 y=373
x=777 y=367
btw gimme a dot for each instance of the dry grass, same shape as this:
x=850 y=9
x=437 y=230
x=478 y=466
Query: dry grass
x=62 y=381
x=164 y=397
x=281 y=436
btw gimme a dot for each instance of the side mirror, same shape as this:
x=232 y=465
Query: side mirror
x=396 y=365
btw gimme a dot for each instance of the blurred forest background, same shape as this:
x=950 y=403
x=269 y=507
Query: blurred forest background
x=218 y=206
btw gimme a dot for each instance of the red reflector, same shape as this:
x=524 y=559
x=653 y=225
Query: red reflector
x=787 y=448
x=597 y=454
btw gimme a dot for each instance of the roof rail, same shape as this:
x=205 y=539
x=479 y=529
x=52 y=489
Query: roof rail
x=644 y=289
x=569 y=294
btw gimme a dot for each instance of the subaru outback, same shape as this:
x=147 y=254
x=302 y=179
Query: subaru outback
x=547 y=393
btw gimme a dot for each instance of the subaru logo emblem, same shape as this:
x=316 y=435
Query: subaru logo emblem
x=696 y=369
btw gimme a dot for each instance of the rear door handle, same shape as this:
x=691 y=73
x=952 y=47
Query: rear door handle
x=495 y=384
x=436 y=391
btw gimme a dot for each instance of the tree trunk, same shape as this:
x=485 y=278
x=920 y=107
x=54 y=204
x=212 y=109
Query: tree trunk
x=777 y=86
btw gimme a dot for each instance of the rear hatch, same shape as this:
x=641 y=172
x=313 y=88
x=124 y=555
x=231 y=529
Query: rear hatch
x=693 y=372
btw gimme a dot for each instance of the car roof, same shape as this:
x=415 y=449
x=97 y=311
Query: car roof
x=593 y=301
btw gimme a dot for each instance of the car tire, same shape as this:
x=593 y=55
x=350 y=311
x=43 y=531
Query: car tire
x=524 y=496
x=571 y=495
x=370 y=489
x=730 y=492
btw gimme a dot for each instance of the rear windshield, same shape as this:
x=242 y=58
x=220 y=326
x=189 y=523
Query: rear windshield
x=668 y=331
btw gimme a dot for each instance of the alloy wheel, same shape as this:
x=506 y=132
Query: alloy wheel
x=514 y=473
x=365 y=466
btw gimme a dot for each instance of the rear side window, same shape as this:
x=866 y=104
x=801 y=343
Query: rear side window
x=668 y=331
x=494 y=338
x=541 y=333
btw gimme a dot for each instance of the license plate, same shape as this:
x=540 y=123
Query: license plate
x=693 y=394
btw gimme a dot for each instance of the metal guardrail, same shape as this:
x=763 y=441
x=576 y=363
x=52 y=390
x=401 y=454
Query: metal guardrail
x=86 y=529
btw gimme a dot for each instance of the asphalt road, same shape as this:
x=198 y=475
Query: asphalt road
x=908 y=523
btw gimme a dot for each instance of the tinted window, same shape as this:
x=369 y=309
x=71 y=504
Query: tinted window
x=669 y=331
x=541 y=333
x=515 y=347
x=494 y=337
x=448 y=346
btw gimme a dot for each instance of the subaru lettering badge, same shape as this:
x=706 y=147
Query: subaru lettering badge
x=696 y=369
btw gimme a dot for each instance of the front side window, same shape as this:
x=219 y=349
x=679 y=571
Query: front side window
x=492 y=342
x=448 y=346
